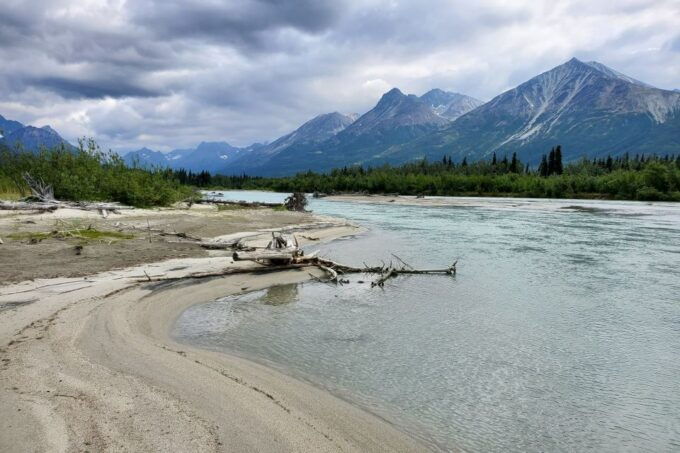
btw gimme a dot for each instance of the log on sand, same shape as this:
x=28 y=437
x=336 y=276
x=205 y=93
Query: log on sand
x=26 y=206
x=282 y=249
x=266 y=254
x=54 y=205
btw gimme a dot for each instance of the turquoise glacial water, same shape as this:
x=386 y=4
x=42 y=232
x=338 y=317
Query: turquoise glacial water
x=561 y=331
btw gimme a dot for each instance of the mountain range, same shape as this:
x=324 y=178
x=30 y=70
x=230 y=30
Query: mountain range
x=29 y=138
x=587 y=107
x=206 y=156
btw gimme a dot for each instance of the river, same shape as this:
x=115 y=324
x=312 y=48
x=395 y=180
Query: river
x=560 y=332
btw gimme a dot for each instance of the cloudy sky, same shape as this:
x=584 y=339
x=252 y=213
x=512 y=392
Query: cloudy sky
x=168 y=74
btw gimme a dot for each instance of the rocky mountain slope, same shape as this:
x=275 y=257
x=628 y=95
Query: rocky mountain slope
x=8 y=126
x=449 y=105
x=397 y=118
x=589 y=109
x=30 y=138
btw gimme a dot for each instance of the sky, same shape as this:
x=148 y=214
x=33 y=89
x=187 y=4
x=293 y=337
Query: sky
x=169 y=74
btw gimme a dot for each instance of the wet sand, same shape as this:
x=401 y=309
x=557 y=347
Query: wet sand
x=87 y=364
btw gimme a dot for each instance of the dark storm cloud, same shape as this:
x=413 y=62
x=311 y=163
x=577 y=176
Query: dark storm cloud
x=247 y=24
x=423 y=26
x=170 y=73
x=71 y=88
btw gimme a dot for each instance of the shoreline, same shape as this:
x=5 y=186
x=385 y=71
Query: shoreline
x=89 y=363
x=499 y=203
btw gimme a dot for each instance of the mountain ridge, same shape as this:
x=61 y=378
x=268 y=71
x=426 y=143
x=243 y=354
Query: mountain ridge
x=396 y=119
x=448 y=104
x=587 y=107
x=32 y=139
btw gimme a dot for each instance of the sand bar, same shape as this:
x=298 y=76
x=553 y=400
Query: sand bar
x=87 y=365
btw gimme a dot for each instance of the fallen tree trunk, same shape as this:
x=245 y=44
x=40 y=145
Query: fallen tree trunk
x=230 y=271
x=266 y=254
x=53 y=206
x=386 y=272
x=331 y=268
x=283 y=253
x=27 y=206
x=383 y=278
x=332 y=274
x=218 y=245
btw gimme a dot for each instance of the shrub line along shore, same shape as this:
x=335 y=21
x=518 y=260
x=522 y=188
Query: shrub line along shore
x=87 y=362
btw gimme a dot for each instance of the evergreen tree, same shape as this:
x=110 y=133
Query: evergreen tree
x=464 y=163
x=513 y=164
x=610 y=163
x=551 y=162
x=559 y=168
x=543 y=167
x=493 y=160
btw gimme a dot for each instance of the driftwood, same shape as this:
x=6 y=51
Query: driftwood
x=54 y=205
x=266 y=254
x=27 y=206
x=39 y=188
x=218 y=245
x=283 y=253
x=230 y=271
x=332 y=269
x=297 y=201
x=332 y=274
x=385 y=272
x=282 y=249
x=384 y=277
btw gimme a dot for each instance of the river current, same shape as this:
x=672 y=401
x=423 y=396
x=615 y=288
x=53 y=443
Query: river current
x=560 y=332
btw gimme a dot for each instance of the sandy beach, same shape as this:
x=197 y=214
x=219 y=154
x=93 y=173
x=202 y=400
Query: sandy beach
x=87 y=364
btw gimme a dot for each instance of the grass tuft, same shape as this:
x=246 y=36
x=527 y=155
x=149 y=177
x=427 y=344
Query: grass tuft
x=231 y=207
x=86 y=235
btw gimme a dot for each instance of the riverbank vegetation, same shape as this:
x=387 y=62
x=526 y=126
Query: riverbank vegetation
x=626 y=178
x=89 y=174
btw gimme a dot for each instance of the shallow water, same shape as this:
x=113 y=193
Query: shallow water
x=560 y=332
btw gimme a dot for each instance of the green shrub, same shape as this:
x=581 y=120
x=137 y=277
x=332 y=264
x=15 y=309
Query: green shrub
x=647 y=193
x=90 y=174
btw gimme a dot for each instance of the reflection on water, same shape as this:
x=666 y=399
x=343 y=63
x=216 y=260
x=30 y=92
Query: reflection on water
x=560 y=332
x=280 y=295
